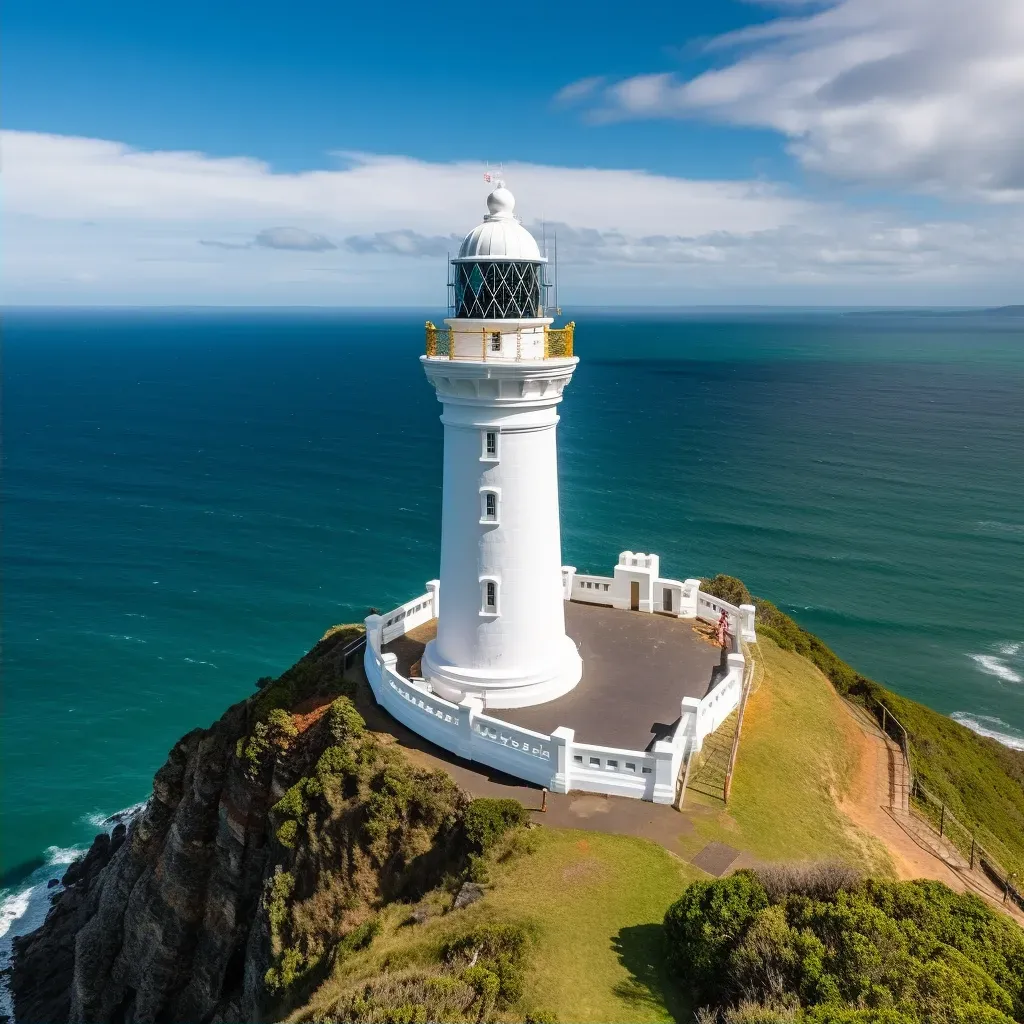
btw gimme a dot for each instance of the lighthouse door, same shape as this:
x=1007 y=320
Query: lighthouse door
x=634 y=596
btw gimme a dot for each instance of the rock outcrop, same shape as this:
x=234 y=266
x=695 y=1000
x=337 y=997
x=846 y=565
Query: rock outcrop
x=268 y=837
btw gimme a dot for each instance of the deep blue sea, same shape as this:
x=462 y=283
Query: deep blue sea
x=192 y=497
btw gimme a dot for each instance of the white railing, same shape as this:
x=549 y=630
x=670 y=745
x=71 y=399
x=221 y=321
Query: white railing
x=613 y=770
x=595 y=589
x=400 y=620
x=557 y=761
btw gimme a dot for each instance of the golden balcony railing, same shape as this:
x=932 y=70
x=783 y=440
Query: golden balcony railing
x=558 y=342
x=498 y=347
x=439 y=342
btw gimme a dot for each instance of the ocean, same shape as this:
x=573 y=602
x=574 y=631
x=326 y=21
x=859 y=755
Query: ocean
x=192 y=497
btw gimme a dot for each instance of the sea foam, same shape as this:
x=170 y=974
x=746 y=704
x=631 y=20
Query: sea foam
x=993 y=665
x=983 y=726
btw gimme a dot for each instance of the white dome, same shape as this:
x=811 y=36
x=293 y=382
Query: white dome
x=500 y=236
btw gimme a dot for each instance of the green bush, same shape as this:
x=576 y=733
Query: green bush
x=487 y=819
x=905 y=951
x=726 y=588
x=343 y=721
x=706 y=922
x=287 y=833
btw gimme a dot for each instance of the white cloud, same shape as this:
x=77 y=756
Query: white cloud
x=924 y=93
x=92 y=221
x=295 y=239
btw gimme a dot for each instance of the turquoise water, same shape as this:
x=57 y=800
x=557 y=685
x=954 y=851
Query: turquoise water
x=191 y=498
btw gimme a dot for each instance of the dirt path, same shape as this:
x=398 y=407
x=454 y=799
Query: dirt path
x=914 y=850
x=866 y=803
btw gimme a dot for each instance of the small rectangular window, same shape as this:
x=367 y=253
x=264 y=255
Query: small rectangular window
x=491 y=595
x=646 y=770
x=578 y=758
x=492 y=443
x=496 y=341
x=596 y=760
x=490 y=506
x=613 y=764
x=630 y=766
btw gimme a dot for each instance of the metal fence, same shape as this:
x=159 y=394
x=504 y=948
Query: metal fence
x=935 y=813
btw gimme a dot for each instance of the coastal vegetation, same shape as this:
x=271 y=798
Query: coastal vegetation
x=783 y=804
x=980 y=781
x=823 y=945
x=361 y=886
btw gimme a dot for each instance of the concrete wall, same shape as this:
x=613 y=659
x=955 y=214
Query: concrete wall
x=559 y=761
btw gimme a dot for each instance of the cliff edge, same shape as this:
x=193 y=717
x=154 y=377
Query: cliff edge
x=269 y=838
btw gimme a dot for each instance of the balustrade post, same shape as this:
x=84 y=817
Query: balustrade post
x=469 y=708
x=434 y=590
x=664 y=784
x=562 y=747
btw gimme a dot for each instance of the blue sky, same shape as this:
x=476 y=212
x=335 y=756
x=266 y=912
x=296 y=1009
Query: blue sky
x=843 y=152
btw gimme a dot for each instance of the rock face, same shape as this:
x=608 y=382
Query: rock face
x=267 y=839
x=154 y=923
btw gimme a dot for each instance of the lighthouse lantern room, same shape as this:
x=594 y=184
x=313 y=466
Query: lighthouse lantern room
x=499 y=371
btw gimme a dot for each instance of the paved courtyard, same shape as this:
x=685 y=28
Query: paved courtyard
x=637 y=667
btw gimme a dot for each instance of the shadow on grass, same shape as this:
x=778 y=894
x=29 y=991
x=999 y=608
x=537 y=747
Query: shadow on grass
x=651 y=986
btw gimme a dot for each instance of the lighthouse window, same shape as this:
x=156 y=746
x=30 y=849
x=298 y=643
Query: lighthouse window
x=496 y=341
x=489 y=597
x=496 y=289
x=490 y=453
x=489 y=505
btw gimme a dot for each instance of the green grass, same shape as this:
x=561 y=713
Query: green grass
x=981 y=780
x=594 y=906
x=797 y=754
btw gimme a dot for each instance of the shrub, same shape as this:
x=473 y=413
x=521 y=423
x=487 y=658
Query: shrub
x=488 y=819
x=287 y=833
x=880 y=952
x=292 y=804
x=281 y=729
x=726 y=588
x=343 y=721
x=704 y=925
x=818 y=879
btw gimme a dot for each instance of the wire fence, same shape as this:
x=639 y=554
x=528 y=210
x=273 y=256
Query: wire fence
x=936 y=813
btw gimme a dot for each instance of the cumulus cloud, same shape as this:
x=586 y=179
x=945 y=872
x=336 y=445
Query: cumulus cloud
x=624 y=236
x=297 y=239
x=923 y=93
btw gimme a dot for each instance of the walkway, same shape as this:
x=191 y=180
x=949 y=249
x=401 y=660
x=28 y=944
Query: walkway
x=637 y=668
x=917 y=851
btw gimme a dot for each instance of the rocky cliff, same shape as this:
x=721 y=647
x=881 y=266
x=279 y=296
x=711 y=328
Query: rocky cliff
x=270 y=838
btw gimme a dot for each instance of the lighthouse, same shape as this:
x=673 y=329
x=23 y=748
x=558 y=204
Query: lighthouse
x=499 y=370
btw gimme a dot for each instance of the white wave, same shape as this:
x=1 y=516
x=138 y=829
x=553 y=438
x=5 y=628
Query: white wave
x=1010 y=650
x=975 y=723
x=197 y=661
x=992 y=665
x=25 y=909
x=64 y=854
x=106 y=822
x=21 y=912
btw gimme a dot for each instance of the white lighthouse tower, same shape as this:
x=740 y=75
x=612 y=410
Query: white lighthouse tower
x=499 y=371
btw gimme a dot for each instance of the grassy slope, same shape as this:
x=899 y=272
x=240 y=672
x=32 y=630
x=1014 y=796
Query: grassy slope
x=594 y=904
x=980 y=779
x=797 y=755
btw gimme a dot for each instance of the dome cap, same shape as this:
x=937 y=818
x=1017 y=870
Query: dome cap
x=500 y=236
